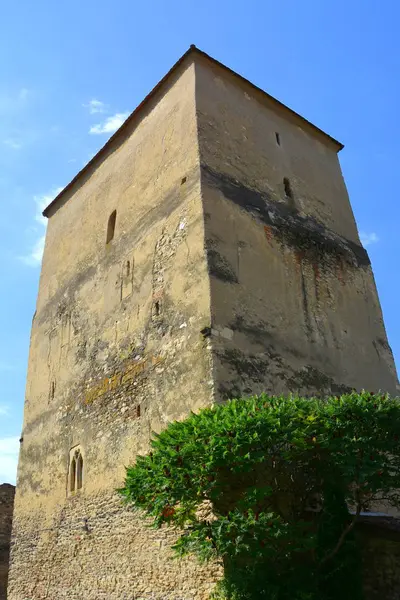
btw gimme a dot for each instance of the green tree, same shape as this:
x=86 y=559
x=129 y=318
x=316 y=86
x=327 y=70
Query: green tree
x=272 y=487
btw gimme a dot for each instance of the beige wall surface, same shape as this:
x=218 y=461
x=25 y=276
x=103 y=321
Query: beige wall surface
x=116 y=352
x=294 y=302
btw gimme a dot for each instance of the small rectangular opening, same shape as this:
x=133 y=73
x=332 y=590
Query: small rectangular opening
x=288 y=192
x=278 y=138
x=111 y=226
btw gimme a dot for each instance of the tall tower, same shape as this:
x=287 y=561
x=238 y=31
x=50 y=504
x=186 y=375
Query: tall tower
x=208 y=250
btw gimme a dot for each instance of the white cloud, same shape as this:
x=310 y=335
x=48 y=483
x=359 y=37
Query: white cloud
x=34 y=258
x=95 y=106
x=12 y=143
x=110 y=125
x=4 y=410
x=42 y=202
x=368 y=238
x=9 y=448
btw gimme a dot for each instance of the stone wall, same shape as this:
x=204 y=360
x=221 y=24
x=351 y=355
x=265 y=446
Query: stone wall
x=294 y=303
x=116 y=353
x=209 y=285
x=96 y=550
x=6 y=511
x=379 y=539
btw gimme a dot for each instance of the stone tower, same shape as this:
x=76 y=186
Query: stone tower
x=208 y=250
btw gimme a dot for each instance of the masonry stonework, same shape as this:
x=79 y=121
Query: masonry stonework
x=380 y=553
x=7 y=492
x=214 y=284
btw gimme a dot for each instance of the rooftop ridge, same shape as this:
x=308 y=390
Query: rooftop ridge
x=191 y=50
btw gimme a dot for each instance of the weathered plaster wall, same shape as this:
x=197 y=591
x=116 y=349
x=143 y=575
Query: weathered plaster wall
x=294 y=303
x=212 y=279
x=116 y=352
x=6 y=511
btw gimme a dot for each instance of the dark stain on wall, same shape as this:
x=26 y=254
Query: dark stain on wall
x=270 y=372
x=304 y=299
x=256 y=332
x=311 y=378
x=292 y=229
x=220 y=267
x=260 y=333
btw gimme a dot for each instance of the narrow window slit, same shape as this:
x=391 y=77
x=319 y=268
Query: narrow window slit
x=278 y=138
x=288 y=191
x=111 y=226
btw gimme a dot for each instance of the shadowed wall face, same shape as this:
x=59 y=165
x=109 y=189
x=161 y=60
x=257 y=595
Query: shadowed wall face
x=6 y=511
x=294 y=302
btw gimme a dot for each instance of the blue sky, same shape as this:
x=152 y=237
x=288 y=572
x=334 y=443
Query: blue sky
x=70 y=72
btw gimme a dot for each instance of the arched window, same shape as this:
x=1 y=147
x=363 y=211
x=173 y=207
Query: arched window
x=75 y=470
x=111 y=226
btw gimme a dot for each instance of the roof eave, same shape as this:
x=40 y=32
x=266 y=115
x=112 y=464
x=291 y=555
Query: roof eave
x=147 y=99
x=120 y=130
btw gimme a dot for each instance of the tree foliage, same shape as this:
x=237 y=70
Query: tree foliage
x=272 y=487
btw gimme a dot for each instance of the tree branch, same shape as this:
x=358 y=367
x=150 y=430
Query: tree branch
x=343 y=535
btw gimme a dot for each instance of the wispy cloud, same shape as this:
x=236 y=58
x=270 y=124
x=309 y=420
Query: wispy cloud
x=109 y=125
x=12 y=143
x=368 y=238
x=95 y=106
x=9 y=448
x=34 y=258
x=4 y=410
